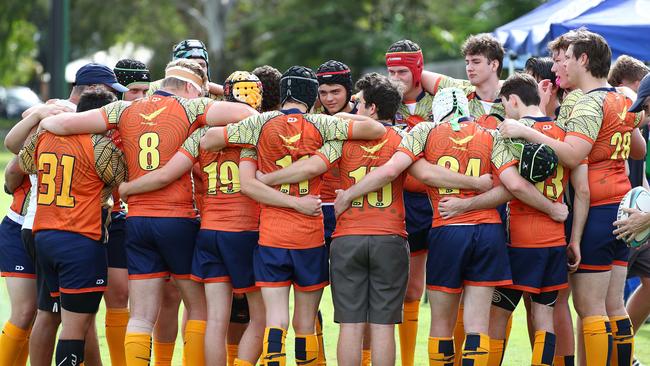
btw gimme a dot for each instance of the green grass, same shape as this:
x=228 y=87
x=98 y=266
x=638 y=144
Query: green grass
x=518 y=352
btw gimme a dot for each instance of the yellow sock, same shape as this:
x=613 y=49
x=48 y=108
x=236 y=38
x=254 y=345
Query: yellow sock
x=441 y=351
x=163 y=353
x=12 y=342
x=597 y=341
x=408 y=332
x=322 y=361
x=231 y=350
x=459 y=335
x=273 y=350
x=508 y=329
x=194 y=348
x=623 y=341
x=497 y=349
x=238 y=362
x=543 y=348
x=366 y=356
x=563 y=360
x=21 y=360
x=307 y=349
x=476 y=350
x=137 y=348
x=115 y=322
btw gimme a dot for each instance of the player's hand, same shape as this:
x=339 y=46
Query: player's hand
x=124 y=191
x=511 y=128
x=635 y=223
x=309 y=205
x=46 y=110
x=452 y=206
x=342 y=202
x=484 y=183
x=560 y=212
x=573 y=256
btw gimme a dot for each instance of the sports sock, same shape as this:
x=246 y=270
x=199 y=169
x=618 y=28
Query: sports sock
x=322 y=361
x=137 y=348
x=597 y=340
x=163 y=353
x=497 y=349
x=441 y=351
x=408 y=332
x=194 y=348
x=476 y=350
x=366 y=356
x=273 y=351
x=508 y=329
x=307 y=350
x=12 y=341
x=21 y=360
x=543 y=348
x=69 y=352
x=623 y=341
x=231 y=350
x=115 y=322
x=563 y=360
x=459 y=335
x=238 y=362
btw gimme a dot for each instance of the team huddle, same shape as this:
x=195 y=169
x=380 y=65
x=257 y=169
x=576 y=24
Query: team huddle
x=487 y=191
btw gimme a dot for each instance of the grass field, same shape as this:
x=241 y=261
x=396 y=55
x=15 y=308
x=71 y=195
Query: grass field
x=518 y=352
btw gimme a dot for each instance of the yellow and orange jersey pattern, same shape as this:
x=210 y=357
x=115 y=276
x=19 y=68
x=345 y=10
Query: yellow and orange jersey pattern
x=281 y=139
x=20 y=197
x=376 y=213
x=528 y=226
x=601 y=118
x=76 y=175
x=151 y=131
x=223 y=205
x=472 y=151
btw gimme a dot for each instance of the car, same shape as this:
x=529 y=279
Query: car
x=15 y=100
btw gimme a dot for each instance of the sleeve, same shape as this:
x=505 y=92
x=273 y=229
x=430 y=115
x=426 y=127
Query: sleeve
x=27 y=155
x=449 y=82
x=190 y=147
x=330 y=152
x=109 y=161
x=153 y=87
x=566 y=107
x=246 y=133
x=332 y=128
x=248 y=154
x=586 y=118
x=196 y=109
x=415 y=141
x=633 y=118
x=113 y=112
x=502 y=155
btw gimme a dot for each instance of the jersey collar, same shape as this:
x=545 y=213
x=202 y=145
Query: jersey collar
x=540 y=119
x=291 y=111
x=163 y=93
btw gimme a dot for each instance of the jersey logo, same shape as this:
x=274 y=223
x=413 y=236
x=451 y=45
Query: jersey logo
x=373 y=149
x=149 y=117
x=291 y=140
x=462 y=141
x=623 y=114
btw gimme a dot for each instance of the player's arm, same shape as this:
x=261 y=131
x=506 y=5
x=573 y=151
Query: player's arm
x=453 y=206
x=223 y=113
x=13 y=175
x=214 y=139
x=528 y=194
x=253 y=188
x=215 y=89
x=363 y=128
x=18 y=134
x=637 y=145
x=581 y=202
x=435 y=175
x=27 y=155
x=64 y=124
x=178 y=165
x=109 y=162
x=296 y=172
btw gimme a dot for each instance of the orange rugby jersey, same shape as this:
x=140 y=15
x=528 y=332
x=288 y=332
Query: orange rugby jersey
x=152 y=130
x=199 y=186
x=376 y=213
x=73 y=172
x=280 y=139
x=528 y=226
x=20 y=196
x=600 y=117
x=472 y=150
x=224 y=207
x=331 y=182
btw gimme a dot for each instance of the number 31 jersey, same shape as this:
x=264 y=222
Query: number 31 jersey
x=152 y=130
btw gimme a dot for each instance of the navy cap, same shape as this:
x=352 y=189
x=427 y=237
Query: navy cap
x=98 y=74
x=644 y=92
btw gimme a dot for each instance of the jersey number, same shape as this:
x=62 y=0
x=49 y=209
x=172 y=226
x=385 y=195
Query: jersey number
x=554 y=188
x=48 y=180
x=149 y=156
x=372 y=197
x=451 y=163
x=303 y=187
x=225 y=176
x=622 y=143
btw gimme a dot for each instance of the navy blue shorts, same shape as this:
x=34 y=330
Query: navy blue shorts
x=329 y=222
x=71 y=263
x=306 y=269
x=537 y=270
x=14 y=260
x=223 y=256
x=160 y=246
x=45 y=302
x=471 y=255
x=419 y=216
x=116 y=241
x=599 y=248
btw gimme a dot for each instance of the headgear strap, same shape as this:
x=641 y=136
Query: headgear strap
x=413 y=60
x=183 y=74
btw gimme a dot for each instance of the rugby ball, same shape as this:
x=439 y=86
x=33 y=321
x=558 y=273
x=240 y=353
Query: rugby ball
x=637 y=198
